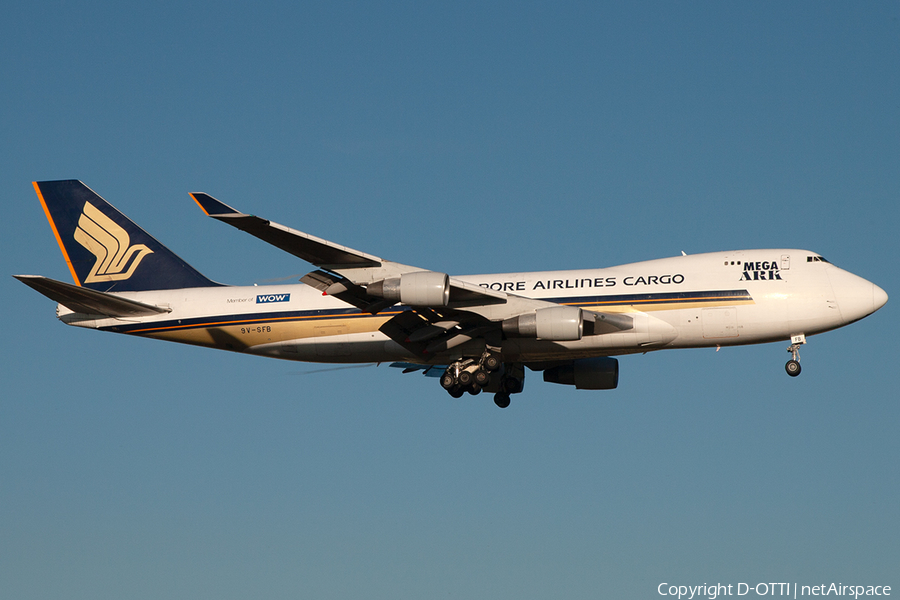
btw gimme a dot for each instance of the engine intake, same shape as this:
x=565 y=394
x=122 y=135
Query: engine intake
x=599 y=373
x=555 y=323
x=420 y=288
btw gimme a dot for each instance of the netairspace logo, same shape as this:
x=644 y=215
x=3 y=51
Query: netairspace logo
x=771 y=589
x=269 y=298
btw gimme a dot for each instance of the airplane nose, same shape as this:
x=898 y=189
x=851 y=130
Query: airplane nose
x=879 y=297
x=856 y=297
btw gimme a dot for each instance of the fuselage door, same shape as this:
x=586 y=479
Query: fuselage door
x=332 y=340
x=785 y=262
x=719 y=322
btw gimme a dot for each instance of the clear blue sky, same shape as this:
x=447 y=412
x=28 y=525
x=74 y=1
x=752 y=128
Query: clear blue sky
x=462 y=137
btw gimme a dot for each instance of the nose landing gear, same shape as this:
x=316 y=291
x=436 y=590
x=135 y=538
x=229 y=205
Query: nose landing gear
x=793 y=366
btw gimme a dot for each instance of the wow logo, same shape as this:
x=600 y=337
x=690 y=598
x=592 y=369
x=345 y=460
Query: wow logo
x=269 y=298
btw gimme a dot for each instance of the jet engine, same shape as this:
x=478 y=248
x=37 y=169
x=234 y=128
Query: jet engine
x=599 y=373
x=420 y=288
x=555 y=323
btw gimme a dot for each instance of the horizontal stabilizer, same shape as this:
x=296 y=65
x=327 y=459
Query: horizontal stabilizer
x=87 y=301
x=322 y=253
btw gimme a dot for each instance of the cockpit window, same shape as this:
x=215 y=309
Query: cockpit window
x=817 y=259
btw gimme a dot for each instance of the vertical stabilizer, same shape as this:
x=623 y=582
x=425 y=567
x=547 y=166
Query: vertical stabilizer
x=104 y=249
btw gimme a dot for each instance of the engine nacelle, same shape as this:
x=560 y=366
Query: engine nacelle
x=599 y=373
x=555 y=323
x=420 y=288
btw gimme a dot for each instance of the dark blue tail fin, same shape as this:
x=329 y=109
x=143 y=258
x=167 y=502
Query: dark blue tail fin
x=105 y=250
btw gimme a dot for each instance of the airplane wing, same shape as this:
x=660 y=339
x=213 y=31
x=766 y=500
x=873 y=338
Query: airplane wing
x=444 y=311
x=322 y=253
x=427 y=370
x=356 y=267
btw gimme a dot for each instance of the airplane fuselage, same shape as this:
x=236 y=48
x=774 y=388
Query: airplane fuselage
x=703 y=300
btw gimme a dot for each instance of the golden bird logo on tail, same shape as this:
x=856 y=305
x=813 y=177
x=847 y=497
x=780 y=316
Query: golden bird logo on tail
x=110 y=244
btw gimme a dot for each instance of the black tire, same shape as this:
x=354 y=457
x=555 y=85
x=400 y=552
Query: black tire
x=491 y=364
x=482 y=378
x=501 y=400
x=512 y=385
x=465 y=378
x=792 y=367
x=448 y=380
x=474 y=389
x=457 y=392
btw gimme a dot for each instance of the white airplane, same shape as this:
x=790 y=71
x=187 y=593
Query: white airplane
x=475 y=332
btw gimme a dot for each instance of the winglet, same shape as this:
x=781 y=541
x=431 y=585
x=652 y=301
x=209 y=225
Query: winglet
x=211 y=206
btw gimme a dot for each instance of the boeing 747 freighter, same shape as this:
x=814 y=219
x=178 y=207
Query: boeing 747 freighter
x=475 y=332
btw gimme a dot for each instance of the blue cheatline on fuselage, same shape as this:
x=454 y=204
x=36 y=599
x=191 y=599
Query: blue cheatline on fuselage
x=612 y=301
x=657 y=298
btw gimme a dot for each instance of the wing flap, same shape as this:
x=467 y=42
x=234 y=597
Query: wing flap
x=427 y=370
x=463 y=293
x=345 y=290
x=598 y=323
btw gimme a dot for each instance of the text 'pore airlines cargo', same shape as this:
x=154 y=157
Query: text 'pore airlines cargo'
x=474 y=332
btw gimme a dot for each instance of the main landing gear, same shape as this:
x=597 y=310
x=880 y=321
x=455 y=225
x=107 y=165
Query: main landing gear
x=485 y=373
x=510 y=384
x=793 y=366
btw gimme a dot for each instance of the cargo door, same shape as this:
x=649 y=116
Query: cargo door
x=719 y=322
x=332 y=340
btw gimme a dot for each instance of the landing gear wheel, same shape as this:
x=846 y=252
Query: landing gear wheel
x=481 y=377
x=501 y=399
x=792 y=367
x=512 y=385
x=448 y=381
x=457 y=392
x=465 y=378
x=474 y=389
x=491 y=363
